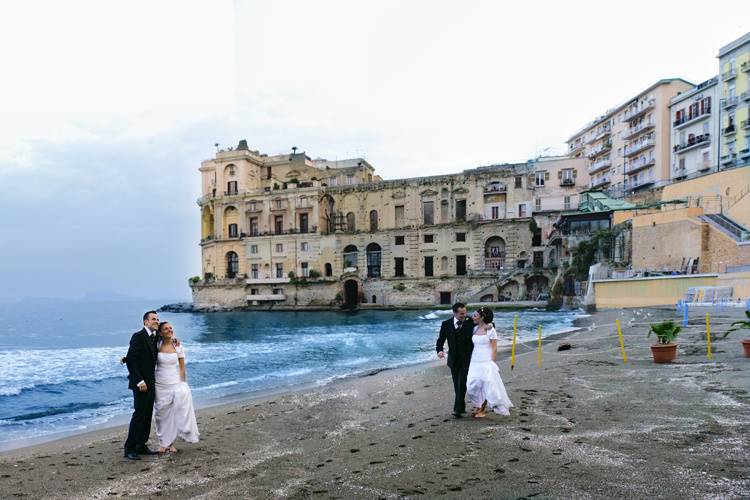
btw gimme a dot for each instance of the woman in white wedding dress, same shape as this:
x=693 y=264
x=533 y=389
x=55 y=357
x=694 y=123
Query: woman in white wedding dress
x=484 y=386
x=173 y=406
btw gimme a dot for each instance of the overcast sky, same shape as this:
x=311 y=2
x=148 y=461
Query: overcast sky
x=107 y=109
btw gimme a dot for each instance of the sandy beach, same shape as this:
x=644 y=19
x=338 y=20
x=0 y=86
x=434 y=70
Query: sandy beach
x=584 y=425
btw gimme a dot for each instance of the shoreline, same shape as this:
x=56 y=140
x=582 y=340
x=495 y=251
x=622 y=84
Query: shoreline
x=121 y=420
x=584 y=425
x=189 y=307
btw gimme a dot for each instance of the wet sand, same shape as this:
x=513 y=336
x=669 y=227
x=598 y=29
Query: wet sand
x=584 y=426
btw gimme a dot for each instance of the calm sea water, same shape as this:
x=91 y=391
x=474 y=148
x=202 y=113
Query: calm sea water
x=60 y=369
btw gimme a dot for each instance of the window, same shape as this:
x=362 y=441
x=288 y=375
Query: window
x=538 y=259
x=373 y=221
x=279 y=248
x=522 y=209
x=278 y=224
x=253 y=226
x=566 y=203
x=460 y=265
x=304 y=246
x=278 y=291
x=399 y=211
x=373 y=254
x=253 y=248
x=350 y=222
x=460 y=210
x=399 y=261
x=329 y=269
x=253 y=291
x=253 y=206
x=444 y=264
x=399 y=240
x=495 y=212
x=254 y=272
x=232 y=187
x=333 y=181
x=278 y=203
x=519 y=181
x=428 y=208
x=429 y=238
x=279 y=270
x=444 y=210
x=303 y=223
x=460 y=236
x=567 y=177
x=233 y=230
x=268 y=172
x=349 y=180
x=706 y=127
x=233 y=264
x=536 y=238
x=350 y=256
x=706 y=158
x=305 y=268
x=428 y=271
x=682 y=164
x=537 y=204
x=539 y=179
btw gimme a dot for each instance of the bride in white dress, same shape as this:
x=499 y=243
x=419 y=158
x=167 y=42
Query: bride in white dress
x=173 y=406
x=484 y=386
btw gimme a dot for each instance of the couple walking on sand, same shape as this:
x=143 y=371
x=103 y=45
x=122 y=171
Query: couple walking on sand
x=472 y=350
x=156 y=369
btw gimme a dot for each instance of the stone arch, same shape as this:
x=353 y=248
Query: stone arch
x=233 y=264
x=351 y=293
x=351 y=253
x=207 y=223
x=230 y=171
x=509 y=291
x=536 y=285
x=487 y=298
x=494 y=253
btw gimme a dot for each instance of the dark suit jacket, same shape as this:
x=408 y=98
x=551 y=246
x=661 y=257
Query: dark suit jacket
x=141 y=360
x=459 y=342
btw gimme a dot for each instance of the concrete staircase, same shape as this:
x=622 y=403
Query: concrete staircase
x=728 y=226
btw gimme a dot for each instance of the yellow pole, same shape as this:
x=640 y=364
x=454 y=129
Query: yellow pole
x=622 y=342
x=708 y=335
x=513 y=348
x=539 y=349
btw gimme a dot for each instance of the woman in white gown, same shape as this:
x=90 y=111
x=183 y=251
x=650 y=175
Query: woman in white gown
x=484 y=386
x=173 y=406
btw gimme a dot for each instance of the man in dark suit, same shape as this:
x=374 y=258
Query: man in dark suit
x=141 y=361
x=457 y=331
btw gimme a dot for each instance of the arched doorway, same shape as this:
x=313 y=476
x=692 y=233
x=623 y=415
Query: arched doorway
x=351 y=292
x=373 y=260
x=233 y=264
x=536 y=285
x=494 y=253
x=329 y=270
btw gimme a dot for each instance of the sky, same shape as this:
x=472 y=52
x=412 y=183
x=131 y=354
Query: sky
x=108 y=108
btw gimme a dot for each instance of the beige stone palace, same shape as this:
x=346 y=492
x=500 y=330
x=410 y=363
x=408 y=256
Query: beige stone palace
x=288 y=231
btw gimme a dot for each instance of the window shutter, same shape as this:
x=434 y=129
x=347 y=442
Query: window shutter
x=546 y=176
x=559 y=174
x=575 y=173
x=531 y=179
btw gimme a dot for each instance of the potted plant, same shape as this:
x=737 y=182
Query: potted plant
x=666 y=349
x=741 y=325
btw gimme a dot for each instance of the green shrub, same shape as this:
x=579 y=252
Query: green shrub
x=193 y=280
x=666 y=331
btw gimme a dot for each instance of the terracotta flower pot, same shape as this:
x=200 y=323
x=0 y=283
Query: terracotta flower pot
x=664 y=353
x=746 y=347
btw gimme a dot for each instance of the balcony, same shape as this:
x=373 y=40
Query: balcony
x=745 y=153
x=745 y=123
x=493 y=263
x=231 y=192
x=730 y=102
x=599 y=165
x=635 y=166
x=637 y=148
x=601 y=149
x=730 y=74
x=636 y=185
x=263 y=279
x=633 y=131
x=266 y=297
x=731 y=129
x=495 y=188
x=575 y=148
x=745 y=66
x=278 y=207
x=745 y=96
x=600 y=182
x=599 y=134
x=254 y=208
x=687 y=121
x=728 y=158
x=567 y=182
x=636 y=111
x=692 y=142
x=307 y=205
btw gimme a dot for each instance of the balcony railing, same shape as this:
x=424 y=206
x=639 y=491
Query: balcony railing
x=257 y=234
x=567 y=182
x=731 y=129
x=685 y=121
x=598 y=165
x=635 y=166
x=745 y=123
x=636 y=148
x=268 y=297
x=745 y=66
x=730 y=102
x=692 y=142
x=728 y=158
x=494 y=263
x=599 y=134
x=265 y=279
x=601 y=149
x=600 y=182
x=495 y=188
x=574 y=148
x=729 y=74
x=642 y=127
x=635 y=111
x=231 y=192
x=745 y=96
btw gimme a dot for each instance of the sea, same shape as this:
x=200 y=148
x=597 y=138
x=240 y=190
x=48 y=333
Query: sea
x=60 y=370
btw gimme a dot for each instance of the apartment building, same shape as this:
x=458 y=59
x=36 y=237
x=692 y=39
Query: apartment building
x=734 y=84
x=627 y=148
x=695 y=131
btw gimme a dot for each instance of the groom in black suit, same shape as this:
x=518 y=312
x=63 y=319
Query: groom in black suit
x=141 y=361
x=457 y=331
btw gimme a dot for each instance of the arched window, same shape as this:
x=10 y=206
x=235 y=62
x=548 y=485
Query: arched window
x=494 y=253
x=329 y=269
x=373 y=260
x=373 y=221
x=233 y=264
x=350 y=257
x=350 y=226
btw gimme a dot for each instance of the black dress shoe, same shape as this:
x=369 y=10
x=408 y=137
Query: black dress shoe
x=132 y=456
x=456 y=414
x=146 y=451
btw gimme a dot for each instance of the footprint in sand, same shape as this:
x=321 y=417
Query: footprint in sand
x=408 y=393
x=354 y=450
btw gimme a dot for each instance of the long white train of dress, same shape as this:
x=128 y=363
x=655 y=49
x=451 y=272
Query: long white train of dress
x=174 y=415
x=484 y=382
